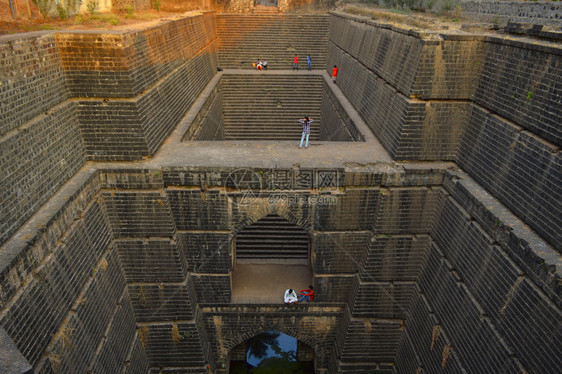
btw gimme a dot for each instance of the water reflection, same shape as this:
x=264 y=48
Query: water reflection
x=271 y=346
x=272 y=353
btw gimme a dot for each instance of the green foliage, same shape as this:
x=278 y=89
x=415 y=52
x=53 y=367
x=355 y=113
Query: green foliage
x=157 y=4
x=44 y=6
x=130 y=10
x=258 y=345
x=91 y=6
x=529 y=95
x=63 y=14
x=112 y=19
x=429 y=4
x=447 y=5
x=399 y=11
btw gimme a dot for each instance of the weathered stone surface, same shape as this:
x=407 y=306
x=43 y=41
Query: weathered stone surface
x=417 y=267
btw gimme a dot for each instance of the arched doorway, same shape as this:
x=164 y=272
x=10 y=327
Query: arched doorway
x=272 y=352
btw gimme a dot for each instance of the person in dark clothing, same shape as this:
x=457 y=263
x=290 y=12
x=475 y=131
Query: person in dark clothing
x=306 y=121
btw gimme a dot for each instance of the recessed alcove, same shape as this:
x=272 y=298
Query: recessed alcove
x=270 y=256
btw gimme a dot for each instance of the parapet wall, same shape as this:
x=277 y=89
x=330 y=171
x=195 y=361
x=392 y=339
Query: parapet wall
x=488 y=103
x=539 y=12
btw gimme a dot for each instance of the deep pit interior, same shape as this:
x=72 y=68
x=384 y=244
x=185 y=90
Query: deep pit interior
x=432 y=234
x=266 y=105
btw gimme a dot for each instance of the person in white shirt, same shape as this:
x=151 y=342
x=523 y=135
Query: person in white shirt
x=290 y=296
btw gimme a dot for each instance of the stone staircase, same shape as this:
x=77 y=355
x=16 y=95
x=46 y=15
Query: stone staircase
x=267 y=107
x=243 y=39
x=272 y=239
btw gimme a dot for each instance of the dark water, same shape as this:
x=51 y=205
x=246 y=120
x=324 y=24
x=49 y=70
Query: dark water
x=271 y=353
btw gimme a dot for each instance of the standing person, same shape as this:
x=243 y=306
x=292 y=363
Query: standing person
x=306 y=121
x=309 y=62
x=334 y=73
x=296 y=62
x=307 y=294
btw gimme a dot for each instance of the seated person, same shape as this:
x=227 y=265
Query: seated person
x=290 y=296
x=259 y=65
x=264 y=64
x=307 y=294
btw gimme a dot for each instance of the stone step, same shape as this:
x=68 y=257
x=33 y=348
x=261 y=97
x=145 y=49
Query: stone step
x=229 y=131
x=272 y=238
x=242 y=39
x=266 y=137
x=267 y=107
x=287 y=112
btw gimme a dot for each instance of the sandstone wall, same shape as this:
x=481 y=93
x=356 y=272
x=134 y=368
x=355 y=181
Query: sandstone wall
x=39 y=138
x=408 y=94
x=143 y=270
x=64 y=298
x=72 y=97
x=540 y=12
x=132 y=88
x=489 y=103
x=511 y=142
x=476 y=278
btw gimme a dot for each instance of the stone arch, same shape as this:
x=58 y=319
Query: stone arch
x=257 y=211
x=234 y=325
x=294 y=333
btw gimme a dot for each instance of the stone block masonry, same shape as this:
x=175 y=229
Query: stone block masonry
x=152 y=72
x=522 y=169
x=244 y=39
x=518 y=81
x=209 y=123
x=124 y=64
x=410 y=129
x=488 y=102
x=417 y=267
x=71 y=97
x=540 y=12
x=40 y=145
x=36 y=160
x=462 y=317
x=407 y=285
x=33 y=80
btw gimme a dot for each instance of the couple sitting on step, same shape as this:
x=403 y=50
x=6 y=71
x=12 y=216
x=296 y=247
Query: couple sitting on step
x=306 y=294
x=261 y=65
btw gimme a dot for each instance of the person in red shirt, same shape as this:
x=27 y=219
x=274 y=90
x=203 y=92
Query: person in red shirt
x=296 y=62
x=307 y=294
x=334 y=73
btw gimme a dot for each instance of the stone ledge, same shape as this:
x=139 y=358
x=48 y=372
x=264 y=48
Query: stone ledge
x=11 y=359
